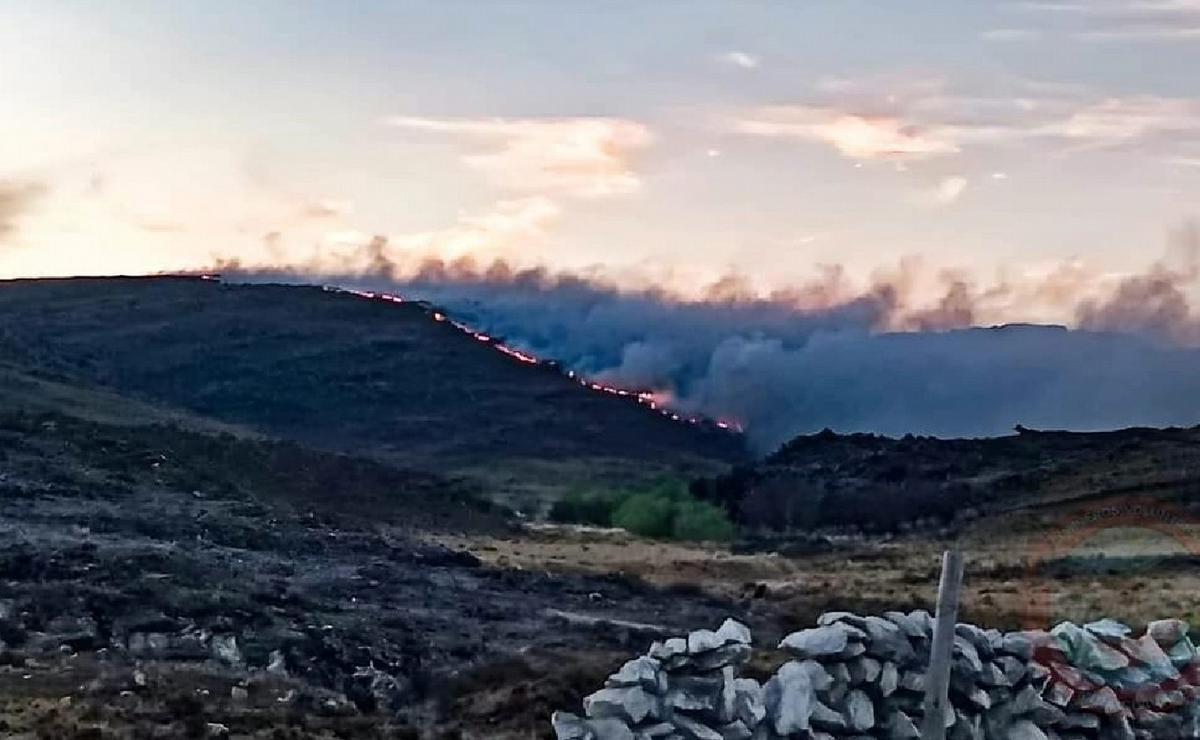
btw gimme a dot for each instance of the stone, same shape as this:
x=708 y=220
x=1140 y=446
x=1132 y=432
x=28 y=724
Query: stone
x=789 y=699
x=748 y=704
x=912 y=681
x=912 y=628
x=631 y=704
x=1108 y=629
x=674 y=647
x=735 y=730
x=863 y=669
x=733 y=631
x=966 y=727
x=1103 y=700
x=692 y=729
x=860 y=711
x=643 y=671
x=732 y=654
x=1167 y=632
x=819 y=677
x=889 y=679
x=609 y=728
x=225 y=649
x=1018 y=645
x=655 y=731
x=828 y=719
x=899 y=726
x=1023 y=729
x=701 y=641
x=887 y=641
x=964 y=649
x=833 y=640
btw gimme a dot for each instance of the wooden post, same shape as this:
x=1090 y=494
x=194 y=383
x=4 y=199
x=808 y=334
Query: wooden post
x=937 y=680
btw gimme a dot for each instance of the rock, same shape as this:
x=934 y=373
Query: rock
x=732 y=631
x=833 y=640
x=789 y=698
x=829 y=719
x=1167 y=632
x=1018 y=645
x=1023 y=729
x=1108 y=629
x=239 y=694
x=1103 y=700
x=735 y=730
x=631 y=704
x=912 y=681
x=674 y=647
x=889 y=679
x=702 y=641
x=731 y=654
x=899 y=726
x=820 y=678
x=277 y=664
x=964 y=649
x=654 y=731
x=570 y=727
x=225 y=649
x=887 y=641
x=643 y=671
x=216 y=730
x=748 y=704
x=694 y=730
x=609 y=728
x=911 y=627
x=863 y=669
x=860 y=711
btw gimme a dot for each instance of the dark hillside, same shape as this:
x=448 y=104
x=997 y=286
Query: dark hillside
x=343 y=373
x=884 y=484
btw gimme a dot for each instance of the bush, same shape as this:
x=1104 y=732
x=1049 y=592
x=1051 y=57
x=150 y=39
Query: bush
x=698 y=520
x=646 y=514
x=664 y=510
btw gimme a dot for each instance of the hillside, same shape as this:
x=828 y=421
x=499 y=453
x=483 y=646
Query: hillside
x=883 y=484
x=339 y=372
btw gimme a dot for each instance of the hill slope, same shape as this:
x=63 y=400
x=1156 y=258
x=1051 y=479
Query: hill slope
x=882 y=483
x=338 y=372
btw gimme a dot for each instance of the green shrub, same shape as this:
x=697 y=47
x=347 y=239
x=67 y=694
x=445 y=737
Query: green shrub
x=664 y=510
x=699 y=520
x=646 y=514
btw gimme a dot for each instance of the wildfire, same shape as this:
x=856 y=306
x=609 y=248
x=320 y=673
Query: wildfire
x=659 y=401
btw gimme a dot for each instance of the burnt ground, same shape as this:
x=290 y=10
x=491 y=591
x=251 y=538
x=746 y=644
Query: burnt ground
x=160 y=582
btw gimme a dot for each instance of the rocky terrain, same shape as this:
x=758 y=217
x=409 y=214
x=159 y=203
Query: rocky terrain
x=858 y=677
x=157 y=582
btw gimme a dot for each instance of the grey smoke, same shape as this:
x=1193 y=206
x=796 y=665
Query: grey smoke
x=780 y=370
x=15 y=199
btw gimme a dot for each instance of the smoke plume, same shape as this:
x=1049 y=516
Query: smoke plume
x=825 y=354
x=15 y=199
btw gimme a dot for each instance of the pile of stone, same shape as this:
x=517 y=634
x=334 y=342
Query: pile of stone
x=857 y=676
x=684 y=687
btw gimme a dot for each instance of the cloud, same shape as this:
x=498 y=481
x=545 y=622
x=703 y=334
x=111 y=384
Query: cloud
x=1006 y=35
x=15 y=199
x=854 y=135
x=741 y=59
x=1127 y=20
x=582 y=157
x=893 y=119
x=948 y=190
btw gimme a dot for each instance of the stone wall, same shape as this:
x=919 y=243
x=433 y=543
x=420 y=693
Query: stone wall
x=857 y=676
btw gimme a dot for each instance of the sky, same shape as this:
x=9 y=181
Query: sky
x=669 y=142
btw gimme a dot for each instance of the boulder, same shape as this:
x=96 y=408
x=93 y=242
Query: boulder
x=631 y=704
x=832 y=640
